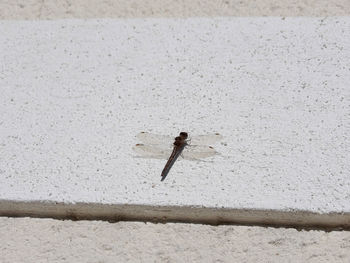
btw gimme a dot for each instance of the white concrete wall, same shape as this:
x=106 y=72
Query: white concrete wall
x=43 y=240
x=74 y=95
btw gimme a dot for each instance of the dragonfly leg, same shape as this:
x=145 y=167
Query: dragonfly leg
x=189 y=141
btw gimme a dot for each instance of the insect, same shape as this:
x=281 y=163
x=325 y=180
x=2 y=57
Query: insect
x=160 y=147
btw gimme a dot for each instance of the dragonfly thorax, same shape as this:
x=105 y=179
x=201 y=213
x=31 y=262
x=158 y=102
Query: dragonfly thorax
x=177 y=143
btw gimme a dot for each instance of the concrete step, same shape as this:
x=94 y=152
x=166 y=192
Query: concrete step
x=74 y=93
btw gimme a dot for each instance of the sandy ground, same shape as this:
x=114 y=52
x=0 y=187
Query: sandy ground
x=46 y=240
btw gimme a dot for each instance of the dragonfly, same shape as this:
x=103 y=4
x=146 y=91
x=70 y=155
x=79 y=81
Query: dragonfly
x=160 y=147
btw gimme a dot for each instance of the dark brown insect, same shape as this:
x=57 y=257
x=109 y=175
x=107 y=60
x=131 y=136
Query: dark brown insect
x=179 y=145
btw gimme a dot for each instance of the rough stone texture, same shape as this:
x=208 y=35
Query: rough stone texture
x=46 y=240
x=51 y=9
x=19 y=243
x=74 y=95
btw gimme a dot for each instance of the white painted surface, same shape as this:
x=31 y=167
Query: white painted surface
x=74 y=93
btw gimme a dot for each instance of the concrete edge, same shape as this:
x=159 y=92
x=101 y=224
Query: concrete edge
x=39 y=9
x=184 y=214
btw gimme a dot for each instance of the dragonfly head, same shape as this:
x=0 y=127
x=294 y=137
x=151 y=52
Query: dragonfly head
x=183 y=135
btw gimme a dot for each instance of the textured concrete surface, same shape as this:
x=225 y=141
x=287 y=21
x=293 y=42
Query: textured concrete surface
x=52 y=9
x=323 y=248
x=74 y=95
x=46 y=240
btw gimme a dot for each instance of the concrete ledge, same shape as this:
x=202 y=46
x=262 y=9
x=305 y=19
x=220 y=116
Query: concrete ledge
x=48 y=240
x=75 y=93
x=186 y=214
x=36 y=9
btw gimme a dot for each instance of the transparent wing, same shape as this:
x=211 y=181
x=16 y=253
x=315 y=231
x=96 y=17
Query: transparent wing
x=151 y=138
x=205 y=139
x=152 y=151
x=196 y=152
x=161 y=146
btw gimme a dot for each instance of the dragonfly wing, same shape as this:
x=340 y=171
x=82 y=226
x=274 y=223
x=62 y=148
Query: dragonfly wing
x=206 y=139
x=151 y=138
x=196 y=152
x=152 y=151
